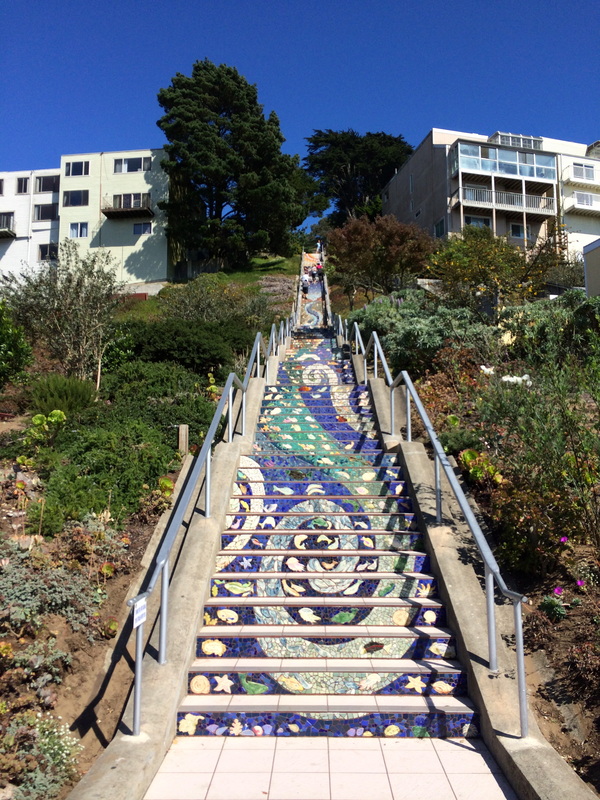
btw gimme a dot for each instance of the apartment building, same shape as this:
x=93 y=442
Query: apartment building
x=104 y=200
x=29 y=212
x=522 y=187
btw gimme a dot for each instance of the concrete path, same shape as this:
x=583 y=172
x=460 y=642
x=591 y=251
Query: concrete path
x=230 y=768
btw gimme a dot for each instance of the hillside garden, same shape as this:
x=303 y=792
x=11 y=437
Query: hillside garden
x=515 y=398
x=88 y=462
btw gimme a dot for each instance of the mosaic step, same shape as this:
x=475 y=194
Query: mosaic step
x=264 y=677
x=312 y=520
x=308 y=425
x=346 y=584
x=344 y=645
x=316 y=503
x=322 y=560
x=340 y=436
x=365 y=461
x=273 y=488
x=275 y=392
x=369 y=611
x=331 y=715
x=250 y=469
x=368 y=541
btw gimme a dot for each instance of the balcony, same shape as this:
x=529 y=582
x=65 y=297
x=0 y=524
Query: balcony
x=586 y=203
x=504 y=201
x=583 y=175
x=7 y=227
x=128 y=206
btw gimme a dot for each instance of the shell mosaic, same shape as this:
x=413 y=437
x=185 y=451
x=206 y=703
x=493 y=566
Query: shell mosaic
x=321 y=535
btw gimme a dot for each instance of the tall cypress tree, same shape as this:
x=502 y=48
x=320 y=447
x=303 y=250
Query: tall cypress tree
x=233 y=192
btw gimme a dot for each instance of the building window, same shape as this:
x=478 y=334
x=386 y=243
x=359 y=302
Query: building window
x=47 y=183
x=22 y=185
x=7 y=220
x=137 y=200
x=80 y=197
x=73 y=168
x=439 y=229
x=479 y=222
x=1 y=185
x=48 y=252
x=133 y=164
x=411 y=183
x=47 y=211
x=519 y=231
x=584 y=199
x=78 y=230
x=585 y=171
x=141 y=228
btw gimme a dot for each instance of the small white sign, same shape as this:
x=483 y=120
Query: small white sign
x=139 y=613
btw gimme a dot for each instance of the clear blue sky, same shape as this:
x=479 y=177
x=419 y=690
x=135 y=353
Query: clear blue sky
x=82 y=76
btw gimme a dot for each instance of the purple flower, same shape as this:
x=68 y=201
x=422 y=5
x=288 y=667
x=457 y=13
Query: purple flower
x=558 y=590
x=580 y=583
x=564 y=539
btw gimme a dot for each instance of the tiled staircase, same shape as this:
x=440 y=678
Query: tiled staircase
x=323 y=618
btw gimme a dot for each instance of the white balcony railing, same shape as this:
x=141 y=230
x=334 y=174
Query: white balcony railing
x=508 y=201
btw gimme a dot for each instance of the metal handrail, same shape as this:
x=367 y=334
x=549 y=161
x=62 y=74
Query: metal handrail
x=192 y=481
x=492 y=571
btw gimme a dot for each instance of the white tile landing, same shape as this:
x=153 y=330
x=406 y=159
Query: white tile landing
x=304 y=768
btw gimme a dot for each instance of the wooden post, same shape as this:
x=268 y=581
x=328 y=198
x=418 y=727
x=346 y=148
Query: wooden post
x=184 y=434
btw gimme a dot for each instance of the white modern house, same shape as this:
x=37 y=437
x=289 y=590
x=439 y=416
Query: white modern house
x=29 y=211
x=522 y=187
x=104 y=200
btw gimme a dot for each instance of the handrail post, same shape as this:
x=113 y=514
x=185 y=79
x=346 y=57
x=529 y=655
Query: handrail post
x=408 y=421
x=491 y=619
x=522 y=686
x=137 y=681
x=164 y=613
x=374 y=362
x=230 y=415
x=392 y=411
x=438 y=489
x=207 y=484
x=243 y=413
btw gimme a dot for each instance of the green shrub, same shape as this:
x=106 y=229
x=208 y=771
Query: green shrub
x=70 y=395
x=103 y=468
x=413 y=328
x=15 y=352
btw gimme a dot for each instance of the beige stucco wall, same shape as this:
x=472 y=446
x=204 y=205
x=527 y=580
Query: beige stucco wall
x=591 y=256
x=138 y=258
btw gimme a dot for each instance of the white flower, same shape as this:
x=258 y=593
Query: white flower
x=524 y=379
x=487 y=370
